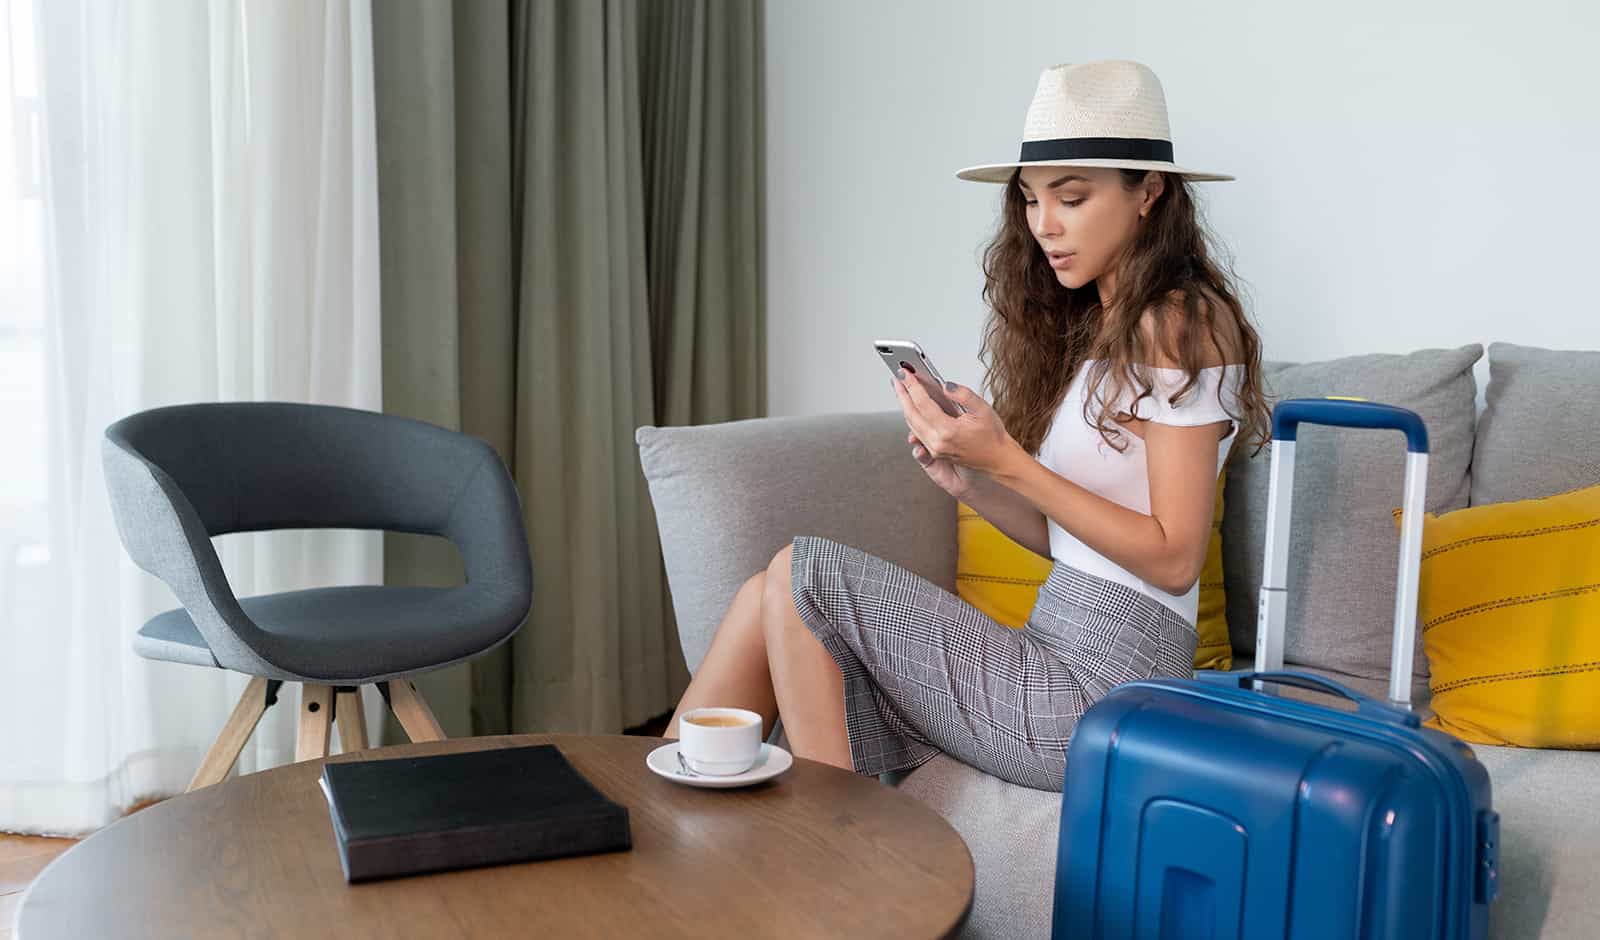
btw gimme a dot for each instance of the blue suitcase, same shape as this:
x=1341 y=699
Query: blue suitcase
x=1214 y=808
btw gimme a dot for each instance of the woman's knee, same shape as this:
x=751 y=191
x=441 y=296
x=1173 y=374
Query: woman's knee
x=778 y=587
x=779 y=566
x=753 y=587
x=778 y=580
x=746 y=610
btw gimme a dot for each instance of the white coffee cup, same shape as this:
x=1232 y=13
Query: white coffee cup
x=728 y=744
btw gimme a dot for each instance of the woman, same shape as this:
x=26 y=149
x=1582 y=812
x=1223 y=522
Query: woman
x=1098 y=279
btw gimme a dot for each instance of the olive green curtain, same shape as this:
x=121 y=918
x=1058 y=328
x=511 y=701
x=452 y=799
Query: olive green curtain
x=570 y=202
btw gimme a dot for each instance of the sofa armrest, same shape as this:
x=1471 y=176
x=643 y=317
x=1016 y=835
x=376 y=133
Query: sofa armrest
x=729 y=496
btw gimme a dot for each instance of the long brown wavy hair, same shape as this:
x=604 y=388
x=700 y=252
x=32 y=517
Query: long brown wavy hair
x=1039 y=333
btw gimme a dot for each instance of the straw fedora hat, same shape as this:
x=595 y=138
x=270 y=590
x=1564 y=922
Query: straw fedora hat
x=1110 y=113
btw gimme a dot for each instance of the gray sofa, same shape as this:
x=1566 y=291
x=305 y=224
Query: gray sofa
x=729 y=496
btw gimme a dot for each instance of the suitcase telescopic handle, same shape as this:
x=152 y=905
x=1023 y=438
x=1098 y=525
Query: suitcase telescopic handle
x=1348 y=413
x=1272 y=607
x=1366 y=705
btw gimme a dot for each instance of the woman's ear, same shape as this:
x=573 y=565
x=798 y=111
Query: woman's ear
x=1154 y=185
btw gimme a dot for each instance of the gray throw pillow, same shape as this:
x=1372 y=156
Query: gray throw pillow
x=1344 y=549
x=728 y=496
x=1540 y=430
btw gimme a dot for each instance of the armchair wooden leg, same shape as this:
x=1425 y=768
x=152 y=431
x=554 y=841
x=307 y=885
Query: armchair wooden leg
x=413 y=712
x=316 y=718
x=259 y=694
x=352 y=719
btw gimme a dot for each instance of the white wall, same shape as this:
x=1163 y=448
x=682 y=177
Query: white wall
x=1409 y=174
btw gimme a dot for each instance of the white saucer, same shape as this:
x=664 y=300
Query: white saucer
x=773 y=761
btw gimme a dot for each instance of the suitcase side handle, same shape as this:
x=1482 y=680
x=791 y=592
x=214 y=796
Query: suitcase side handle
x=1367 y=706
x=1348 y=413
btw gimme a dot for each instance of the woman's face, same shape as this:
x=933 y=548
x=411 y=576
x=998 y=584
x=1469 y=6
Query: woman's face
x=1081 y=217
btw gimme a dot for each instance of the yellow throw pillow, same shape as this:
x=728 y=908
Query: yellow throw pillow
x=1509 y=609
x=993 y=573
x=1002 y=579
x=1216 y=649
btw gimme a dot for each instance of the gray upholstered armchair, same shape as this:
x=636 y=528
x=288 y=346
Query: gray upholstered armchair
x=179 y=476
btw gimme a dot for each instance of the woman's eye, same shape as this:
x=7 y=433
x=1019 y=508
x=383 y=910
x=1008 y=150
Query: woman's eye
x=1030 y=202
x=1072 y=202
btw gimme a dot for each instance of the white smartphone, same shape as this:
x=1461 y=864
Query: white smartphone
x=904 y=354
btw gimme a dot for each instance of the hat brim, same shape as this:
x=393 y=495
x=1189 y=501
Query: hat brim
x=1001 y=172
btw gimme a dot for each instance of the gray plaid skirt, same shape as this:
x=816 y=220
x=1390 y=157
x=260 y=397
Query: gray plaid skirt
x=925 y=672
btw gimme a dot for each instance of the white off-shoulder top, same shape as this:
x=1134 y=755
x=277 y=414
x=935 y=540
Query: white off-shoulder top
x=1074 y=449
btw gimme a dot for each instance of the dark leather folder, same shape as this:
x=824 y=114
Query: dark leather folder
x=406 y=816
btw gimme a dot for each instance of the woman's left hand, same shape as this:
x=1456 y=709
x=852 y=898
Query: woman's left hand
x=977 y=439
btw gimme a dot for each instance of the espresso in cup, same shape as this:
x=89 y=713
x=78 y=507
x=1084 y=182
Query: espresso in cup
x=718 y=721
x=720 y=741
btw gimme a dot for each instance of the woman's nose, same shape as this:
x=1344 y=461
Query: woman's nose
x=1045 y=221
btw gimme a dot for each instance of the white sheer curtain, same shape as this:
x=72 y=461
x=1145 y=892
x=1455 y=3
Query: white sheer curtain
x=196 y=221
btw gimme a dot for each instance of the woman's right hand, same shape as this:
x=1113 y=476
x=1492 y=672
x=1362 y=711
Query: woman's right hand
x=950 y=476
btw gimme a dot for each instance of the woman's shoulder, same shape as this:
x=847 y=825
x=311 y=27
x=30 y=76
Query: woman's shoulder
x=1161 y=332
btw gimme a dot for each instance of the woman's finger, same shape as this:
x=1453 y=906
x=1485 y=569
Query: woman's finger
x=931 y=422
x=919 y=451
x=927 y=418
x=921 y=400
x=965 y=397
x=915 y=419
x=906 y=408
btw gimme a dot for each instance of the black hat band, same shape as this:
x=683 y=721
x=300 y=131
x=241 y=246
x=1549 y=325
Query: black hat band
x=1096 y=148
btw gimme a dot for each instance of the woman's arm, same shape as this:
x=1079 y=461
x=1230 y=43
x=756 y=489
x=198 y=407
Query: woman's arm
x=1008 y=511
x=1167 y=547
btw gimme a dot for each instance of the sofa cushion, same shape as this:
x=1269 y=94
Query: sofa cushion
x=1343 y=550
x=1012 y=832
x=1549 y=841
x=728 y=496
x=1543 y=402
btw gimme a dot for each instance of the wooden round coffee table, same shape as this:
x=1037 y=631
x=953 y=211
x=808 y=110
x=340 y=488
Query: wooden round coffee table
x=816 y=852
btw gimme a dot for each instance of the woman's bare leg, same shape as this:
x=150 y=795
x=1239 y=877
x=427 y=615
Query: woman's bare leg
x=734 y=672
x=807 y=682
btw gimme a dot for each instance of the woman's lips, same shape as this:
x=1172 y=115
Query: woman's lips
x=1061 y=261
